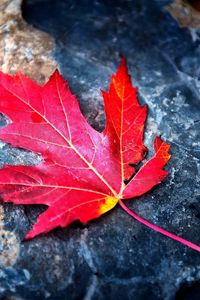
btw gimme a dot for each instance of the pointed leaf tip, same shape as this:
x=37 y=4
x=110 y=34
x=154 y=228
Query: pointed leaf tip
x=162 y=148
x=29 y=236
x=123 y=61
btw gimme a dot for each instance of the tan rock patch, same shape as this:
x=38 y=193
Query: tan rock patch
x=9 y=245
x=22 y=47
x=184 y=13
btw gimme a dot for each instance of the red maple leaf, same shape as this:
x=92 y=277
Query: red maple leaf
x=83 y=172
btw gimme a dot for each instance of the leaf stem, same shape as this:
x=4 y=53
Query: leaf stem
x=158 y=229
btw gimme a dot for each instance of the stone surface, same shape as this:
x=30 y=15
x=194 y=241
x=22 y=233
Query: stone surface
x=23 y=48
x=186 y=12
x=115 y=257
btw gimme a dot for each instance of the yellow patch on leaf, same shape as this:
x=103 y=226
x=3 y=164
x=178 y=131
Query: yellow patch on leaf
x=109 y=203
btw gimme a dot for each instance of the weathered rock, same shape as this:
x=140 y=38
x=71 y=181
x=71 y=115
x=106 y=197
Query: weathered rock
x=9 y=245
x=115 y=257
x=23 y=48
x=186 y=14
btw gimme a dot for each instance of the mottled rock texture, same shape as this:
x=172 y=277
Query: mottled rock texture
x=22 y=47
x=186 y=12
x=115 y=257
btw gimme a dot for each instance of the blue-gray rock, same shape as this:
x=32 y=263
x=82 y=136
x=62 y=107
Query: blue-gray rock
x=116 y=257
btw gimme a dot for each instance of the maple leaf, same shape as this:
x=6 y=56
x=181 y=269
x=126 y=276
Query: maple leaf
x=84 y=173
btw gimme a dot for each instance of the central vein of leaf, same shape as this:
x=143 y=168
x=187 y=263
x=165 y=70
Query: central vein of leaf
x=120 y=90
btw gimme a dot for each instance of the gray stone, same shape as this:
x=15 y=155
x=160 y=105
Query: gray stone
x=116 y=257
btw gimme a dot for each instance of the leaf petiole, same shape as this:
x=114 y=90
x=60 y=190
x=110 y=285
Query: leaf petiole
x=158 y=229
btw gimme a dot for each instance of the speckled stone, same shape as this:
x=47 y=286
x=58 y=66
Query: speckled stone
x=116 y=257
x=22 y=47
x=186 y=13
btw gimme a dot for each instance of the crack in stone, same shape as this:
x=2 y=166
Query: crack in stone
x=91 y=290
x=86 y=253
